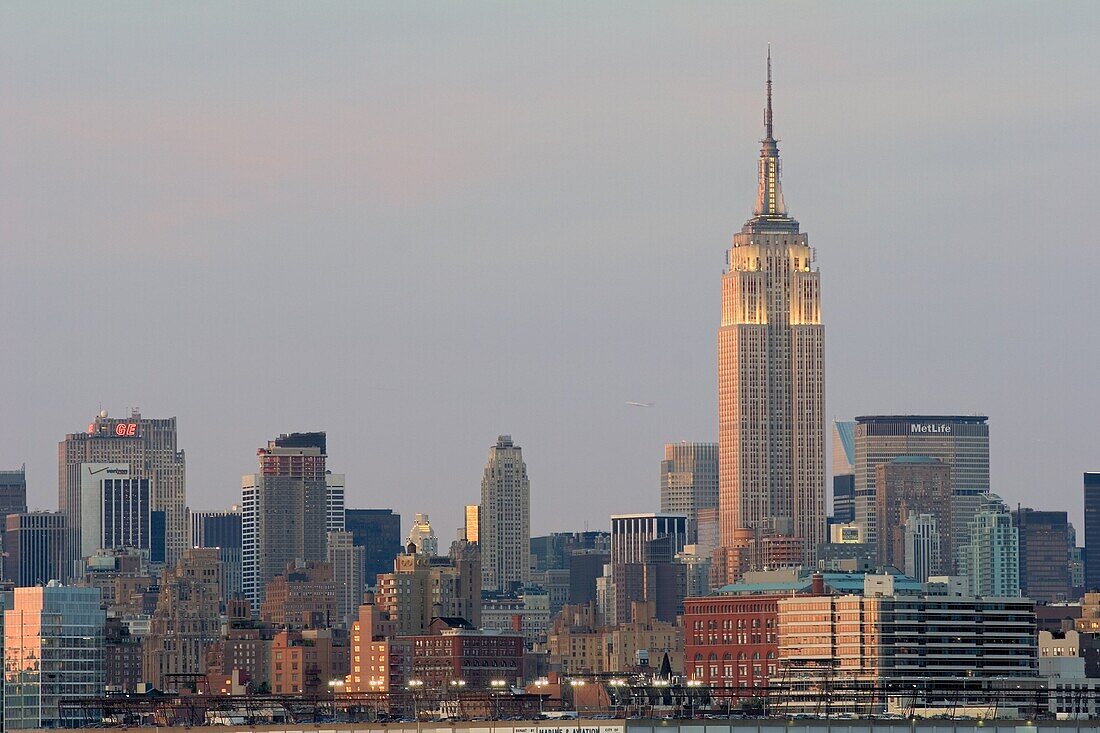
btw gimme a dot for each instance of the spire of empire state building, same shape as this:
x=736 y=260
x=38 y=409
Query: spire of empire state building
x=770 y=213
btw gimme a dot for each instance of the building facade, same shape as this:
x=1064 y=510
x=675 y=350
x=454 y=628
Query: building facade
x=531 y=609
x=13 y=492
x=302 y=596
x=306 y=662
x=54 y=648
x=922 y=641
x=990 y=559
x=378 y=532
x=771 y=374
x=731 y=643
x=380 y=662
x=907 y=486
x=454 y=650
x=347 y=574
x=960 y=441
x=1044 y=554
x=644 y=566
x=148 y=447
x=923 y=546
x=422 y=536
x=471 y=522
x=36 y=548
x=116 y=509
x=186 y=620
x=286 y=512
x=223 y=531
x=844 y=472
x=504 y=532
x=421 y=588
x=689 y=480
x=1092 y=530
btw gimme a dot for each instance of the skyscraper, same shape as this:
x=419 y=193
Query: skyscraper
x=115 y=509
x=13 y=497
x=960 y=441
x=36 y=548
x=1044 y=554
x=505 y=531
x=689 y=479
x=378 y=532
x=771 y=374
x=990 y=559
x=347 y=561
x=148 y=446
x=285 y=510
x=1092 y=531
x=13 y=492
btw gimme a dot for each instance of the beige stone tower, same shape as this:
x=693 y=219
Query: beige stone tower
x=504 y=526
x=771 y=377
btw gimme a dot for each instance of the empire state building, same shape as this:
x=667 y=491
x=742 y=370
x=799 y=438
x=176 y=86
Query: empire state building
x=771 y=385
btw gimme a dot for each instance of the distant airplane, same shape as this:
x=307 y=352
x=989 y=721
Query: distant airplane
x=640 y=404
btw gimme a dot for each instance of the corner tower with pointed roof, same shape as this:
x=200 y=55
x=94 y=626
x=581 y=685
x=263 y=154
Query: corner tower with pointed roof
x=771 y=384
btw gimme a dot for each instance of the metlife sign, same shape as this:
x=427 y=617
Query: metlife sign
x=929 y=428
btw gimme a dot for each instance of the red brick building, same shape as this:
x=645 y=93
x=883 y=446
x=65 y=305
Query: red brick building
x=731 y=642
x=453 y=650
x=306 y=661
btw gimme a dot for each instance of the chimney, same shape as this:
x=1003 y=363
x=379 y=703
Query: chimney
x=817 y=584
x=517 y=623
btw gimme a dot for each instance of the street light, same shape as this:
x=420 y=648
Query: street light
x=617 y=683
x=575 y=683
x=692 y=685
x=413 y=686
x=540 y=683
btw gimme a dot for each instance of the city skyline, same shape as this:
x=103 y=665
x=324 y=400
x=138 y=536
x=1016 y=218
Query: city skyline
x=524 y=250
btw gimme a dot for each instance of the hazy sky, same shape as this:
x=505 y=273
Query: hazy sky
x=416 y=226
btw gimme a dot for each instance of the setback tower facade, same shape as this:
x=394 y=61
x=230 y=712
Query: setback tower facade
x=771 y=379
x=689 y=479
x=149 y=448
x=504 y=532
x=286 y=510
